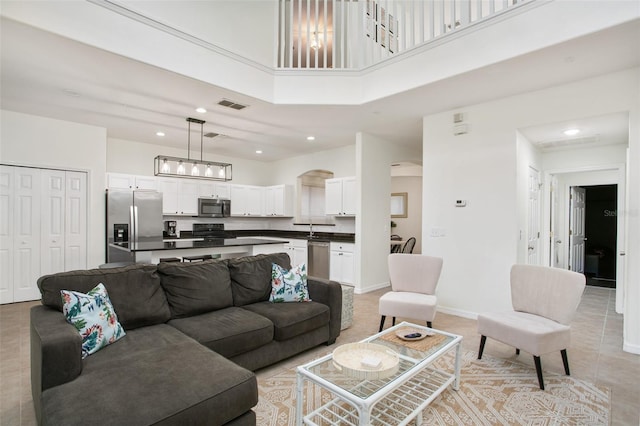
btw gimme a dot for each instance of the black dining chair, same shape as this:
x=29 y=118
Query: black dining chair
x=395 y=248
x=408 y=246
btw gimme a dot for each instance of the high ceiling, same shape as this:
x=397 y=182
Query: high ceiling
x=51 y=76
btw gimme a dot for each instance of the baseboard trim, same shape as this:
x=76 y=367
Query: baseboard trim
x=458 y=312
x=633 y=349
x=371 y=288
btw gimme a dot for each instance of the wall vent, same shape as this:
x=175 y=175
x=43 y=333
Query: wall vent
x=230 y=104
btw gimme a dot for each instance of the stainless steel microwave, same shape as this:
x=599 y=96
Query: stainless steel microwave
x=214 y=207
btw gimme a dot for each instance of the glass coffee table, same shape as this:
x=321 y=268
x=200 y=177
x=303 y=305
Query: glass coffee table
x=393 y=400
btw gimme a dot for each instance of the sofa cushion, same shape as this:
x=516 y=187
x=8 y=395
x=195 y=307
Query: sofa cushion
x=251 y=276
x=195 y=288
x=292 y=319
x=228 y=331
x=92 y=314
x=289 y=285
x=134 y=290
x=155 y=375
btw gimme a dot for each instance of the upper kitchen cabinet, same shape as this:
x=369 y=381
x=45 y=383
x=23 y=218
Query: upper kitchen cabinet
x=214 y=189
x=169 y=189
x=246 y=200
x=340 y=196
x=188 y=196
x=124 y=181
x=278 y=200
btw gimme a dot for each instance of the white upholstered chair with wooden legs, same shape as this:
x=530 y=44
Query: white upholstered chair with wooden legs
x=544 y=302
x=414 y=278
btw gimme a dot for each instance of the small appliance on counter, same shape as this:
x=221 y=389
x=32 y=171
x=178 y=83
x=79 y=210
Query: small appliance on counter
x=170 y=228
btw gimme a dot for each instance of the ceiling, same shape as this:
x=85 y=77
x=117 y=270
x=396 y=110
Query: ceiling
x=51 y=76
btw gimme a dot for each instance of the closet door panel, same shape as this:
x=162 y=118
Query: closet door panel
x=27 y=213
x=6 y=233
x=53 y=214
x=75 y=249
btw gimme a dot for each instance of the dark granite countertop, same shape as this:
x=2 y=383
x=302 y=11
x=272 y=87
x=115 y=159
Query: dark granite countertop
x=296 y=235
x=178 y=244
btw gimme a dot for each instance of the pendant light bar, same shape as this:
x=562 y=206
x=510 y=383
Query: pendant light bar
x=165 y=165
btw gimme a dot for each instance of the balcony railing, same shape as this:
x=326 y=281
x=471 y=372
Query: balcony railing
x=354 y=34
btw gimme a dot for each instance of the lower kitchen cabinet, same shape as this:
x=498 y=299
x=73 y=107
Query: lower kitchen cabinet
x=297 y=251
x=342 y=262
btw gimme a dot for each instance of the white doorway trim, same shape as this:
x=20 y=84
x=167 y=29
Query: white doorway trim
x=584 y=177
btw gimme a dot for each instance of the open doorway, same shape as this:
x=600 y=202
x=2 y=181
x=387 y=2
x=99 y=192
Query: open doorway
x=601 y=235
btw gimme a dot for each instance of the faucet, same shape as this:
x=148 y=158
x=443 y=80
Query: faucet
x=311 y=230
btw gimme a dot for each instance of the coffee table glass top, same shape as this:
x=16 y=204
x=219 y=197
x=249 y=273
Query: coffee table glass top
x=410 y=353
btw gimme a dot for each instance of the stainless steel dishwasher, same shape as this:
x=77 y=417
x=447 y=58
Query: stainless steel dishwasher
x=318 y=252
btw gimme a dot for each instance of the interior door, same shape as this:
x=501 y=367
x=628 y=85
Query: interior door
x=533 y=228
x=75 y=221
x=6 y=233
x=53 y=218
x=27 y=234
x=576 y=229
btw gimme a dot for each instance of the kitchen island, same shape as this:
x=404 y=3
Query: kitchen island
x=150 y=251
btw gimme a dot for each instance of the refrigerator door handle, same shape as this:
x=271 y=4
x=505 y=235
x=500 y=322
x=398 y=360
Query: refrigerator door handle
x=132 y=225
x=135 y=223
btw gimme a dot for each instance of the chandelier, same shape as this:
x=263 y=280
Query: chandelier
x=165 y=165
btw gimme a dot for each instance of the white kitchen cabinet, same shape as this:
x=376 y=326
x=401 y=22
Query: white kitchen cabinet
x=169 y=189
x=214 y=189
x=342 y=262
x=188 y=197
x=340 y=196
x=125 y=181
x=278 y=200
x=246 y=200
x=297 y=251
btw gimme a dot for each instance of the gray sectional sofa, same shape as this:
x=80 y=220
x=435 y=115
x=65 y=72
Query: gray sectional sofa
x=194 y=334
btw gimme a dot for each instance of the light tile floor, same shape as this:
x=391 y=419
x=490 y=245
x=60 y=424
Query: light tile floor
x=595 y=355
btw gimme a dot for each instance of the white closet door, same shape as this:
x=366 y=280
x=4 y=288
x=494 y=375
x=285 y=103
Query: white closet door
x=27 y=234
x=76 y=221
x=6 y=233
x=53 y=217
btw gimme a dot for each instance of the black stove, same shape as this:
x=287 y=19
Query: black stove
x=208 y=231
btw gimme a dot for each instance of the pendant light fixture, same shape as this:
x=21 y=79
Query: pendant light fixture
x=165 y=165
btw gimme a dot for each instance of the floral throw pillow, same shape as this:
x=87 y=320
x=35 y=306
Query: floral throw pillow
x=92 y=314
x=289 y=286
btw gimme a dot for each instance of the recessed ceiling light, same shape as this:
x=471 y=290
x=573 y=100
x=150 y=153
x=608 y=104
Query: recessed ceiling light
x=311 y=138
x=201 y=110
x=571 y=132
x=258 y=152
x=159 y=133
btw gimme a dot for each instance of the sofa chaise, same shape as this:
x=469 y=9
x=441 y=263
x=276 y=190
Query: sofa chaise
x=195 y=332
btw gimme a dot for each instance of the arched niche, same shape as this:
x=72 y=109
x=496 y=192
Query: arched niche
x=310 y=206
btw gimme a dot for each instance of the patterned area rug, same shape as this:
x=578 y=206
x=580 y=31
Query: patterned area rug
x=492 y=392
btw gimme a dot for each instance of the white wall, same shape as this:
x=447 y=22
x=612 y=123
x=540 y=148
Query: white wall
x=42 y=142
x=243 y=27
x=374 y=157
x=481 y=240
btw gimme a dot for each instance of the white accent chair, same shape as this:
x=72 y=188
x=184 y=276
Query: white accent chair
x=414 y=278
x=544 y=302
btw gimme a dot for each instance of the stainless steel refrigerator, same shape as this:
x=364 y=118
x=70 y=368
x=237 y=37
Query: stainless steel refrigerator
x=132 y=216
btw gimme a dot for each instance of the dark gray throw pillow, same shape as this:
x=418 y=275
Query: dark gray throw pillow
x=196 y=288
x=251 y=276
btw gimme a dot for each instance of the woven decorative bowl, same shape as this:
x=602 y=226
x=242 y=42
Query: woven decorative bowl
x=366 y=361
